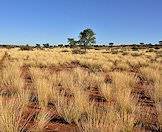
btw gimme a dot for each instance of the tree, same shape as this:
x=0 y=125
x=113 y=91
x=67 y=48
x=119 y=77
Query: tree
x=87 y=37
x=38 y=46
x=72 y=42
x=111 y=44
x=46 y=45
x=142 y=43
x=60 y=45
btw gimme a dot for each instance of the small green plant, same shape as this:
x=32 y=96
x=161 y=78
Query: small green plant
x=72 y=42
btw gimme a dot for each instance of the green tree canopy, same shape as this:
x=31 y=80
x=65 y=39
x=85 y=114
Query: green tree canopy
x=87 y=37
x=72 y=42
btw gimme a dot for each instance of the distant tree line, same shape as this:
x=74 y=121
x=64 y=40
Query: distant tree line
x=75 y=44
x=86 y=40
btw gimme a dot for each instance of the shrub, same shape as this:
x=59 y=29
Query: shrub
x=106 y=52
x=46 y=45
x=156 y=48
x=136 y=54
x=150 y=50
x=78 y=51
x=65 y=50
x=97 y=48
x=158 y=54
x=26 y=47
x=125 y=53
x=134 y=48
x=114 y=52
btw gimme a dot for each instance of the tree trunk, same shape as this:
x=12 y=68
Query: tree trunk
x=85 y=48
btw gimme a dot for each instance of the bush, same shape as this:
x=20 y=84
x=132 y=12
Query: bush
x=156 y=48
x=125 y=53
x=46 y=45
x=97 y=48
x=26 y=47
x=159 y=54
x=65 y=50
x=150 y=50
x=106 y=52
x=114 y=52
x=134 y=48
x=136 y=54
x=78 y=51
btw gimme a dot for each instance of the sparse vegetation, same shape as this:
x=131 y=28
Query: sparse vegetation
x=62 y=89
x=26 y=47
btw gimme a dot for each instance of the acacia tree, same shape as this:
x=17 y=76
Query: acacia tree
x=87 y=37
x=72 y=42
x=38 y=46
x=111 y=44
x=46 y=45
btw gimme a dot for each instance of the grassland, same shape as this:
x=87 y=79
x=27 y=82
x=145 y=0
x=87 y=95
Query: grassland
x=106 y=90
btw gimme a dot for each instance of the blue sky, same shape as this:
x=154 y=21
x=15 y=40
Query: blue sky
x=53 y=21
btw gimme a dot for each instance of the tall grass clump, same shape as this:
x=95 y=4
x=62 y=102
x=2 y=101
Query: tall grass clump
x=10 y=78
x=119 y=90
x=44 y=85
x=74 y=105
x=11 y=112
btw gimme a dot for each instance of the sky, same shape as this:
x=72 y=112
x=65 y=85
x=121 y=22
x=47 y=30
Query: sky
x=53 y=21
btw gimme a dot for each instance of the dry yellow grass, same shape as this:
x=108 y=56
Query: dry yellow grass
x=67 y=81
x=11 y=112
x=42 y=119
